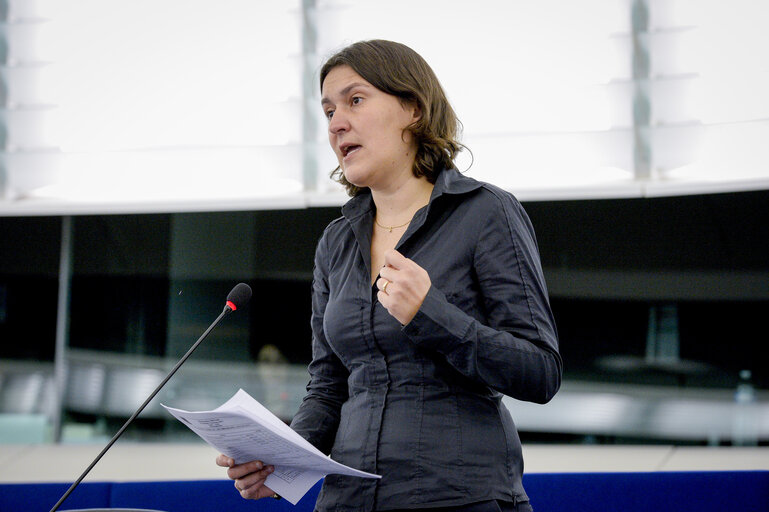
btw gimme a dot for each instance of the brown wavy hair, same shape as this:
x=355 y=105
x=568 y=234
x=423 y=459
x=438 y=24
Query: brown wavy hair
x=398 y=70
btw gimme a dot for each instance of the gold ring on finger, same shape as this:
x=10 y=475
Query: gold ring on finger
x=384 y=288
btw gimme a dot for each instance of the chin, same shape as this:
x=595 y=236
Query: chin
x=357 y=179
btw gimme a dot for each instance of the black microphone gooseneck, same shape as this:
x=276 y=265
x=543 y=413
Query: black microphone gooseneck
x=238 y=297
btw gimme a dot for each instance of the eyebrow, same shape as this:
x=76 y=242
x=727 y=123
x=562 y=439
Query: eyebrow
x=343 y=92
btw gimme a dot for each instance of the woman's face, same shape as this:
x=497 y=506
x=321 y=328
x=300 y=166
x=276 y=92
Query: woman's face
x=366 y=130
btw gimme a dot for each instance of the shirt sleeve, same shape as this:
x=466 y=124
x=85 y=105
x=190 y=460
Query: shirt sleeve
x=515 y=349
x=317 y=419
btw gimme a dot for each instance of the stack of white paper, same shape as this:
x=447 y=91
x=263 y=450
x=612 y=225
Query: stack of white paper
x=245 y=430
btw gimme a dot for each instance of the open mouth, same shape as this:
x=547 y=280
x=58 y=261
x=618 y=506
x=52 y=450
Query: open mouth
x=346 y=150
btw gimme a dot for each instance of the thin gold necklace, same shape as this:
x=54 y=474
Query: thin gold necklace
x=390 y=228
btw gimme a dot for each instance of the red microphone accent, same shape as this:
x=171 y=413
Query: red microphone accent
x=232 y=305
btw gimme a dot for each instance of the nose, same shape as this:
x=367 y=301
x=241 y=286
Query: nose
x=339 y=122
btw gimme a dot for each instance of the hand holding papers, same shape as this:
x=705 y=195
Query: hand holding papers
x=245 y=430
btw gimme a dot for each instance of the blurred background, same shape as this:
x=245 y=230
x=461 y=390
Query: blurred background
x=153 y=153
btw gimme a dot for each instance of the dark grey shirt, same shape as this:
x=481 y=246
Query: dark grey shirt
x=421 y=404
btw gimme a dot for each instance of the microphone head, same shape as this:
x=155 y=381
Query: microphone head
x=239 y=296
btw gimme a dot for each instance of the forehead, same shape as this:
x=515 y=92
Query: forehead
x=339 y=79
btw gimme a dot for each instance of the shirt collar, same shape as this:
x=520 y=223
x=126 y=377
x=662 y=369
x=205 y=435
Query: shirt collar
x=449 y=181
x=359 y=211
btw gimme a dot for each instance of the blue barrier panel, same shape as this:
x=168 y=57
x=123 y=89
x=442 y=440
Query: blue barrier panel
x=200 y=496
x=42 y=497
x=700 y=491
x=697 y=491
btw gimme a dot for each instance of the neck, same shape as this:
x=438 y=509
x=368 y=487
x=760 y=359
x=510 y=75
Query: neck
x=397 y=205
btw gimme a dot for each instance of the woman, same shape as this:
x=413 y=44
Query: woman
x=428 y=304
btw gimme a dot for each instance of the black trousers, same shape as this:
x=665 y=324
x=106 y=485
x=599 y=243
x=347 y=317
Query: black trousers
x=482 y=506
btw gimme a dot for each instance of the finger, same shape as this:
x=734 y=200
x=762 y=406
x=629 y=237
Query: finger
x=251 y=486
x=257 y=492
x=252 y=481
x=224 y=461
x=395 y=259
x=264 y=492
x=388 y=273
x=249 y=492
x=241 y=470
x=382 y=284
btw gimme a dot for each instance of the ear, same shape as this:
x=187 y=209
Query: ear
x=416 y=112
x=412 y=107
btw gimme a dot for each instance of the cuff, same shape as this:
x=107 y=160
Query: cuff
x=438 y=324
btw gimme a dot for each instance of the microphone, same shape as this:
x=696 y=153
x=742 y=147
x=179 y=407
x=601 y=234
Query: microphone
x=237 y=298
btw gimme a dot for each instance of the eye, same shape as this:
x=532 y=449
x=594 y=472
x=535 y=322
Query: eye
x=329 y=114
x=356 y=100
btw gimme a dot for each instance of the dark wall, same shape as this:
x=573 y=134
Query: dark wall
x=29 y=268
x=607 y=263
x=702 y=232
